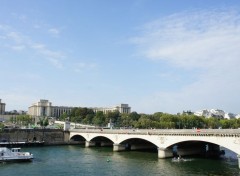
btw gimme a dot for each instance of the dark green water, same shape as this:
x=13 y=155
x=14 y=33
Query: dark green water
x=76 y=160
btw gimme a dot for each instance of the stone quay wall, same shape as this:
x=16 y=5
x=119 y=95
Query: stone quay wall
x=49 y=136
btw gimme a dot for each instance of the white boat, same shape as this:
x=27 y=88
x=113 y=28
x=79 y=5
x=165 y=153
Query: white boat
x=178 y=159
x=14 y=154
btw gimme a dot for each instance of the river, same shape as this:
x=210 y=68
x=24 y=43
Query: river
x=102 y=161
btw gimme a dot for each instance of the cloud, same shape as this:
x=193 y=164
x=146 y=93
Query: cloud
x=18 y=41
x=56 y=62
x=16 y=37
x=23 y=18
x=54 y=57
x=192 y=39
x=80 y=66
x=41 y=48
x=54 y=32
x=205 y=40
x=36 y=26
x=18 y=47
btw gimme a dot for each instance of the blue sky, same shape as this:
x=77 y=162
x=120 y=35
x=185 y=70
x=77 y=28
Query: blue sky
x=157 y=56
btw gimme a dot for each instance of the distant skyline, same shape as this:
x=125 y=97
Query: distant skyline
x=157 y=56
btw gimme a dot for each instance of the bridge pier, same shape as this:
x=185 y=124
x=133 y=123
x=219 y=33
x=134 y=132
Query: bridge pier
x=118 y=147
x=165 y=153
x=90 y=143
x=238 y=161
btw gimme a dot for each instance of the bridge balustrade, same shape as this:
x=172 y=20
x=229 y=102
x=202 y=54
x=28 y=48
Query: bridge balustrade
x=202 y=132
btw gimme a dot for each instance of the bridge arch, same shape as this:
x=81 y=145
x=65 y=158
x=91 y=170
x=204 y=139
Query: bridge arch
x=138 y=143
x=77 y=139
x=213 y=140
x=154 y=139
x=101 y=141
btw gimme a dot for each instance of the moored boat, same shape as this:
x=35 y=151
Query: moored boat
x=21 y=144
x=14 y=154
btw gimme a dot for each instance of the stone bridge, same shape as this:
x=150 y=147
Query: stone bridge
x=168 y=142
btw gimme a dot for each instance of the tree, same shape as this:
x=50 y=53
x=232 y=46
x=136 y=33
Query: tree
x=43 y=122
x=113 y=116
x=134 y=116
x=64 y=116
x=24 y=120
x=212 y=122
x=88 y=119
x=99 y=119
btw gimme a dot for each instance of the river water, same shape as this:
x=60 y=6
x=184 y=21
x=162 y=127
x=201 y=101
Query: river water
x=102 y=161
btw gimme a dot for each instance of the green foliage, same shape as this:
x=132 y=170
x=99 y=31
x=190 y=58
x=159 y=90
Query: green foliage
x=99 y=119
x=113 y=116
x=88 y=119
x=22 y=120
x=157 y=120
x=1 y=126
x=63 y=117
x=43 y=122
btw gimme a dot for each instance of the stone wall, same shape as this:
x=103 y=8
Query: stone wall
x=49 y=136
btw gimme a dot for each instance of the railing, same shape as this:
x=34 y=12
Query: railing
x=218 y=132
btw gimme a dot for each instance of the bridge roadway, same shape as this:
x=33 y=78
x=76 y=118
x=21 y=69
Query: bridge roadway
x=168 y=142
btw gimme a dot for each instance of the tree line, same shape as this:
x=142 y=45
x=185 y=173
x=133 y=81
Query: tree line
x=157 y=120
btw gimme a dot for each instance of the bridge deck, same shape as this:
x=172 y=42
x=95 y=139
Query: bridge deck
x=175 y=132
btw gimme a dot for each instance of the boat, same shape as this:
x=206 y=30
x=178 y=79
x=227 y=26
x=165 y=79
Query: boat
x=178 y=159
x=21 y=144
x=14 y=154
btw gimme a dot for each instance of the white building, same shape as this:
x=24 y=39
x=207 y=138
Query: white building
x=215 y=113
x=41 y=108
x=237 y=116
x=122 y=108
x=230 y=116
x=2 y=107
x=44 y=108
x=204 y=113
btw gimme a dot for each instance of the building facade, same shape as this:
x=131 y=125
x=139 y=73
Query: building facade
x=44 y=108
x=122 y=108
x=217 y=113
x=57 y=111
x=41 y=108
x=2 y=107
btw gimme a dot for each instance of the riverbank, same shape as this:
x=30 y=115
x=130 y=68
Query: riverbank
x=34 y=137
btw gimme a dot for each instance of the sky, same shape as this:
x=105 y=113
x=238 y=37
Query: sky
x=155 y=55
